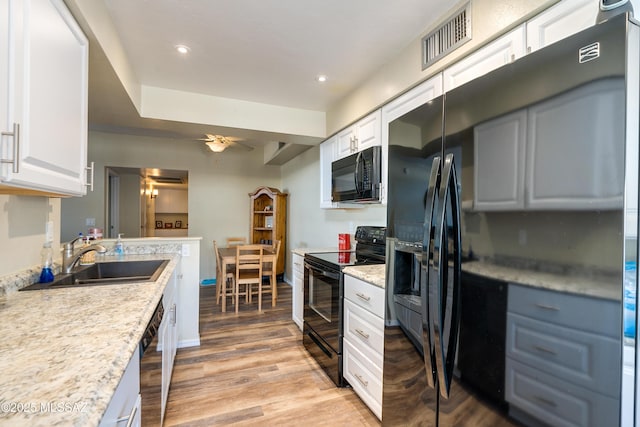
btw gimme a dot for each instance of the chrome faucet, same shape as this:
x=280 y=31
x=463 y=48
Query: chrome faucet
x=71 y=257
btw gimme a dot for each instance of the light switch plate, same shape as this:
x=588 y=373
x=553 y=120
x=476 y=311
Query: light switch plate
x=185 y=249
x=48 y=231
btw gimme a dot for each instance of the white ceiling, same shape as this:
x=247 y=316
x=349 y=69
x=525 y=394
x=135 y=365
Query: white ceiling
x=265 y=51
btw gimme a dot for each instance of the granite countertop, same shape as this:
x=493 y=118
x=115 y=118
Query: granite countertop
x=374 y=274
x=303 y=251
x=64 y=351
x=594 y=285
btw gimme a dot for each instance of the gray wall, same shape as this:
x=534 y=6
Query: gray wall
x=219 y=185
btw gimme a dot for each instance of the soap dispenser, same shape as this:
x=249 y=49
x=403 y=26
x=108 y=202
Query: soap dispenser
x=119 y=247
x=46 y=275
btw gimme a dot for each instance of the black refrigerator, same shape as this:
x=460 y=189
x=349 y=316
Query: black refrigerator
x=512 y=243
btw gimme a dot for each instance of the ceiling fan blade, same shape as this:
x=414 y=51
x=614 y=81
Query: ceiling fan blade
x=244 y=146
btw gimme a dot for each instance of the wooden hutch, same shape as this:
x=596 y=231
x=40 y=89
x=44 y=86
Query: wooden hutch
x=268 y=219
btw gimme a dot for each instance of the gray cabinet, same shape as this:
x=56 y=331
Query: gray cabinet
x=535 y=158
x=499 y=152
x=562 y=353
x=560 y=143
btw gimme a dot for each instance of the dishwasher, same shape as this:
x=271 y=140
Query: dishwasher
x=483 y=326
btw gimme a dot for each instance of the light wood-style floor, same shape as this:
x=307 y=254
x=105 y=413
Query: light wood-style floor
x=251 y=369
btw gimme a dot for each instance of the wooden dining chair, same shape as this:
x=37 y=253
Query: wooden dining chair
x=224 y=281
x=235 y=241
x=248 y=272
x=269 y=271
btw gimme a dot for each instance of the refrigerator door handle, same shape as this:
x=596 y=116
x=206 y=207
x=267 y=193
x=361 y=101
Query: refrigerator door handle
x=445 y=311
x=427 y=335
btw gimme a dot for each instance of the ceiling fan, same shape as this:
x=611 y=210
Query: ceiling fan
x=219 y=143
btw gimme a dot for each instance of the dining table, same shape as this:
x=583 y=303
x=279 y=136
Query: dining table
x=228 y=256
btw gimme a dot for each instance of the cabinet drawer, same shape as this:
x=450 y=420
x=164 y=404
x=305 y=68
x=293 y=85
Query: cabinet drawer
x=364 y=377
x=557 y=402
x=298 y=265
x=582 y=358
x=365 y=331
x=594 y=315
x=365 y=295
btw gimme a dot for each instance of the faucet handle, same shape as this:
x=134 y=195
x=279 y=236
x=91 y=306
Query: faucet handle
x=69 y=245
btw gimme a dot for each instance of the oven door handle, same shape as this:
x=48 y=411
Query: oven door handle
x=329 y=274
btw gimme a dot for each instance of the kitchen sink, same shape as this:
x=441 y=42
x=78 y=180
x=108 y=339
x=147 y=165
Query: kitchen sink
x=106 y=273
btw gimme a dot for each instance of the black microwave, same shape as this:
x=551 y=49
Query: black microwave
x=356 y=178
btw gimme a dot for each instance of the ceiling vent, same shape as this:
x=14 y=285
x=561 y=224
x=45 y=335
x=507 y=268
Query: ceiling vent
x=168 y=179
x=455 y=32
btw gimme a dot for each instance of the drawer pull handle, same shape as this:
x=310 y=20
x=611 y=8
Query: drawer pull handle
x=363 y=297
x=546 y=401
x=547 y=307
x=544 y=350
x=362 y=333
x=362 y=380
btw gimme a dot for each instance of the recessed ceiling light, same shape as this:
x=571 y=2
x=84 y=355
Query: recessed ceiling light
x=182 y=49
x=321 y=78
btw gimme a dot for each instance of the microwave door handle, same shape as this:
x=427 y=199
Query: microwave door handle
x=445 y=313
x=427 y=336
x=356 y=175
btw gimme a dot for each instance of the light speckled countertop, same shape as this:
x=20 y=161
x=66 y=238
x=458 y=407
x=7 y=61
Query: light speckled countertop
x=374 y=274
x=595 y=286
x=303 y=251
x=599 y=286
x=64 y=351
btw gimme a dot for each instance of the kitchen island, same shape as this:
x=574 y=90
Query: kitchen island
x=64 y=351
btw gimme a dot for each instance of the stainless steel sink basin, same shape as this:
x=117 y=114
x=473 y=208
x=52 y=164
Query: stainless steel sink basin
x=106 y=273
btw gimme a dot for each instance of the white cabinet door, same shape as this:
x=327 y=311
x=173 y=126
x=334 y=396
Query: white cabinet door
x=48 y=75
x=562 y=20
x=327 y=154
x=363 y=134
x=499 y=148
x=368 y=131
x=345 y=142
x=499 y=52
x=406 y=102
x=573 y=163
x=298 y=289
x=125 y=402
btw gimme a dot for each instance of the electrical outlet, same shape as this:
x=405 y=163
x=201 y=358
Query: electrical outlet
x=522 y=237
x=90 y=222
x=186 y=250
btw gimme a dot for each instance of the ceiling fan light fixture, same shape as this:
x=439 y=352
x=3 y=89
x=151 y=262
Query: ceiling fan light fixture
x=216 y=146
x=183 y=49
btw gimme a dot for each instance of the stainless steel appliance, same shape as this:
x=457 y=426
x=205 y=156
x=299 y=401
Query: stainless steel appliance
x=150 y=378
x=512 y=213
x=356 y=178
x=323 y=297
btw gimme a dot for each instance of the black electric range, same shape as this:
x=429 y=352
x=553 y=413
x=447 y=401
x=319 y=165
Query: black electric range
x=324 y=293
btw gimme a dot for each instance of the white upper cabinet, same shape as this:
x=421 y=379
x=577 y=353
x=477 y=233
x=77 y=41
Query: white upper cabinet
x=562 y=20
x=499 y=52
x=499 y=156
x=363 y=134
x=327 y=154
x=44 y=79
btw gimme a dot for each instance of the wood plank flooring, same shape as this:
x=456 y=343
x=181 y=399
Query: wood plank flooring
x=251 y=369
